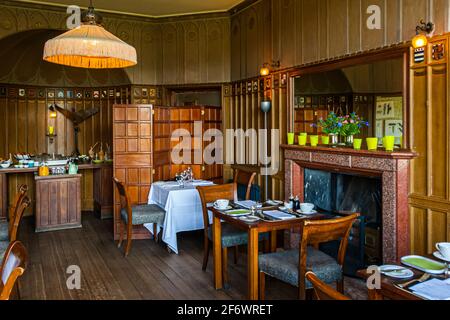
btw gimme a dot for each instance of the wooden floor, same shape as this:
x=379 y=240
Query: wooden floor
x=150 y=272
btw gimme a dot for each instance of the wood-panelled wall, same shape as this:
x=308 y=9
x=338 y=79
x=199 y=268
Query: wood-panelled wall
x=241 y=109
x=178 y=50
x=24 y=116
x=430 y=124
x=297 y=32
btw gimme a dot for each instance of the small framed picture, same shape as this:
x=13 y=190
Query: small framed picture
x=69 y=94
x=2 y=92
x=104 y=93
x=21 y=92
x=60 y=94
x=50 y=94
x=31 y=93
x=96 y=94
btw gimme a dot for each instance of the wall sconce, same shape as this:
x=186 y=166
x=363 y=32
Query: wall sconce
x=52 y=114
x=422 y=30
x=265 y=70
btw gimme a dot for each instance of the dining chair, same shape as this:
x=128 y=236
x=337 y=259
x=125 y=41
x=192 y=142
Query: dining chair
x=245 y=180
x=13 y=266
x=291 y=266
x=5 y=226
x=322 y=290
x=231 y=236
x=137 y=215
x=14 y=225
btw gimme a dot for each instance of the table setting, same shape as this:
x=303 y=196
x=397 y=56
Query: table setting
x=425 y=278
x=181 y=201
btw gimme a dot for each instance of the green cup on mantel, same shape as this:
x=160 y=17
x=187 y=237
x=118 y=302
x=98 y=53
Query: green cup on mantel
x=302 y=140
x=372 y=144
x=357 y=143
x=325 y=140
x=314 y=141
x=290 y=137
x=389 y=143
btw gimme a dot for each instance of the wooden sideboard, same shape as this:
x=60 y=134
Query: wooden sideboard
x=102 y=187
x=58 y=202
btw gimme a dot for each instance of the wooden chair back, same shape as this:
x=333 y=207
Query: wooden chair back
x=315 y=232
x=13 y=266
x=210 y=194
x=23 y=189
x=322 y=290
x=246 y=179
x=14 y=226
x=124 y=199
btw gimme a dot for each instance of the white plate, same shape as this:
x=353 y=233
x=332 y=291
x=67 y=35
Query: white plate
x=227 y=208
x=307 y=213
x=250 y=219
x=403 y=273
x=438 y=255
x=274 y=202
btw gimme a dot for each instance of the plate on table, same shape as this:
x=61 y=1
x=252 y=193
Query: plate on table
x=424 y=264
x=250 y=219
x=397 y=272
x=438 y=255
x=274 y=202
x=238 y=213
x=224 y=209
x=307 y=213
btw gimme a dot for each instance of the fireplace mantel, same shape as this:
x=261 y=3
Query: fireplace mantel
x=391 y=167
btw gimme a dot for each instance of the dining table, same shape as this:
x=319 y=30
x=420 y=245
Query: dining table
x=183 y=209
x=390 y=288
x=253 y=229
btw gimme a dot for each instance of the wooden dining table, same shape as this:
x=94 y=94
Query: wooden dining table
x=253 y=229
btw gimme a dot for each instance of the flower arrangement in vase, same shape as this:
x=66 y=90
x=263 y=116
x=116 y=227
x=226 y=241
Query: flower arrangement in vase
x=331 y=126
x=351 y=126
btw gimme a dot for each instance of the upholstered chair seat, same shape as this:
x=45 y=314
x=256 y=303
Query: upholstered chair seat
x=3 y=246
x=232 y=236
x=4 y=231
x=144 y=214
x=284 y=266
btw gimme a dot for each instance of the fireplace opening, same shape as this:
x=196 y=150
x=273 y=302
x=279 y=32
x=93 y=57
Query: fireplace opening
x=340 y=193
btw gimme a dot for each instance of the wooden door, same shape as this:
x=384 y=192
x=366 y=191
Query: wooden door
x=133 y=165
x=430 y=178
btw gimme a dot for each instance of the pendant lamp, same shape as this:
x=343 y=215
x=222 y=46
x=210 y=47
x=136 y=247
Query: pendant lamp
x=90 y=46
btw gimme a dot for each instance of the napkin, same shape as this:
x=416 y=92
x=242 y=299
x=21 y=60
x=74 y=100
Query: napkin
x=434 y=289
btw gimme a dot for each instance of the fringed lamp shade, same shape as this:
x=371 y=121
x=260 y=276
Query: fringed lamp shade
x=90 y=46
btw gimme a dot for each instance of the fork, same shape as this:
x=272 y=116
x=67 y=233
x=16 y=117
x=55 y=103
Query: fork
x=423 y=278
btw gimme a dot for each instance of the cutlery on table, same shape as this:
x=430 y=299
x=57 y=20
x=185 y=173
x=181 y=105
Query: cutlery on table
x=423 y=278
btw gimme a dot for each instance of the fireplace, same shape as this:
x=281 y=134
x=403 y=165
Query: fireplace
x=387 y=173
x=341 y=193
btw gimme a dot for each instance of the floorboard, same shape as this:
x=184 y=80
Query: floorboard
x=149 y=272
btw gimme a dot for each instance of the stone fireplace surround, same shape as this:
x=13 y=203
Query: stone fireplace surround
x=391 y=167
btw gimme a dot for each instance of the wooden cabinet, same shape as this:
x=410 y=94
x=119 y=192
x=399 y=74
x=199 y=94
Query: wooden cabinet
x=430 y=176
x=58 y=202
x=133 y=158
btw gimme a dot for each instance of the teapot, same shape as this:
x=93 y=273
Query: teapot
x=44 y=171
x=73 y=168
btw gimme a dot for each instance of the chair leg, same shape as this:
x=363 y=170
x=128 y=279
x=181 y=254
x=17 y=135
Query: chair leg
x=155 y=232
x=205 y=254
x=129 y=239
x=340 y=286
x=236 y=254
x=225 y=267
x=121 y=233
x=262 y=286
x=309 y=294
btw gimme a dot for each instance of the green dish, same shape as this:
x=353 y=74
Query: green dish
x=97 y=161
x=424 y=264
x=238 y=213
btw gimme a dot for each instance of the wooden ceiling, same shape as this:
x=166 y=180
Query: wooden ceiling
x=150 y=8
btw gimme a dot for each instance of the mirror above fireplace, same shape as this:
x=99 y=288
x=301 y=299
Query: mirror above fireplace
x=373 y=88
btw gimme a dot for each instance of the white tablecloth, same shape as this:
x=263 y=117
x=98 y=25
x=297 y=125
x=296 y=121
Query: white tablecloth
x=183 y=209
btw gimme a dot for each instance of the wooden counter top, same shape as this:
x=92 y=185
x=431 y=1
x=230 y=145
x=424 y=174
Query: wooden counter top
x=89 y=166
x=57 y=176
